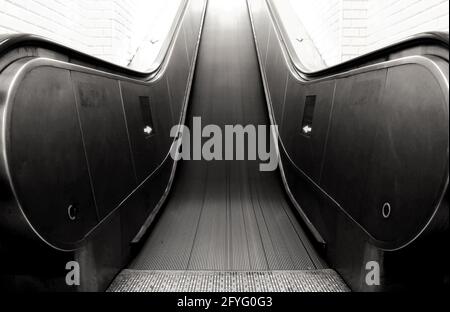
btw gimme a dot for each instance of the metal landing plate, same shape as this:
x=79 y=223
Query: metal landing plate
x=215 y=281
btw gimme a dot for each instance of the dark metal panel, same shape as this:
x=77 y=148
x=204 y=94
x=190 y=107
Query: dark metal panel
x=277 y=75
x=148 y=115
x=307 y=151
x=100 y=258
x=47 y=161
x=177 y=77
x=106 y=140
x=390 y=147
x=409 y=162
x=132 y=213
x=164 y=116
x=293 y=110
x=352 y=133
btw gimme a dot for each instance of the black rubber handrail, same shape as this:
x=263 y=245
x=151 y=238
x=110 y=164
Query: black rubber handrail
x=429 y=38
x=10 y=42
x=437 y=38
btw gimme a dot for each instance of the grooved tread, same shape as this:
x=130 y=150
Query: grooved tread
x=200 y=281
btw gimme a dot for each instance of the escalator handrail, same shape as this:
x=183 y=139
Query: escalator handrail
x=10 y=42
x=436 y=38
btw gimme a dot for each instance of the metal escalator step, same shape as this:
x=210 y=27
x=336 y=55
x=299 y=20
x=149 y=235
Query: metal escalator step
x=216 y=281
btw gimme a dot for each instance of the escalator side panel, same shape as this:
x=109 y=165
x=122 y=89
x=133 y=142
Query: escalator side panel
x=352 y=134
x=424 y=134
x=149 y=116
x=104 y=117
x=309 y=151
x=106 y=139
x=381 y=131
x=276 y=75
x=177 y=77
x=61 y=153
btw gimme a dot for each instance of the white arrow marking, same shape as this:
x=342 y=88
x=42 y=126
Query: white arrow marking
x=307 y=129
x=148 y=130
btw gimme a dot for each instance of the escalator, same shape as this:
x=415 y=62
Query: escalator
x=227 y=216
x=365 y=183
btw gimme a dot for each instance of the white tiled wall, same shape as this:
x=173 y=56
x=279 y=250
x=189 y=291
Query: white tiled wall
x=390 y=20
x=343 y=29
x=50 y=18
x=322 y=19
x=115 y=29
x=354 y=28
x=110 y=29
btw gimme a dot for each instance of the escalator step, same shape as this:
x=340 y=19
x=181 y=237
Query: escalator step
x=216 y=281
